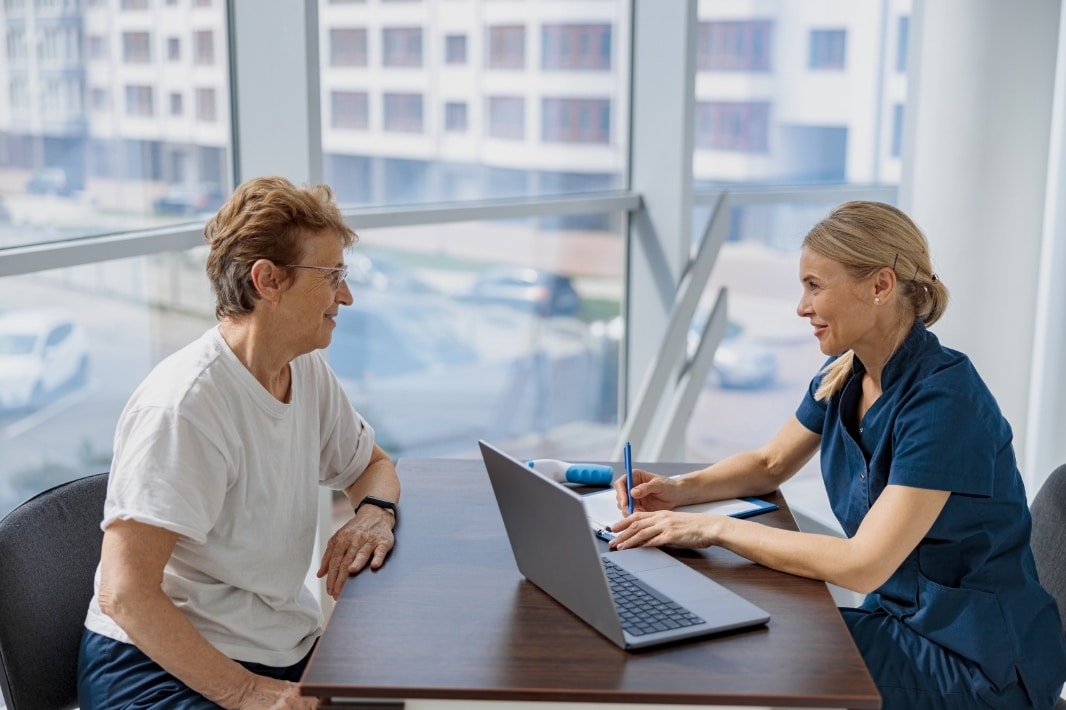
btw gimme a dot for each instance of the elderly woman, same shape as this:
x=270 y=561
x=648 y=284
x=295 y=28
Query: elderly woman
x=919 y=466
x=211 y=512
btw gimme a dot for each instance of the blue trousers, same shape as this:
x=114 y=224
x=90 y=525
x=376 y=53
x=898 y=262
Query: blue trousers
x=913 y=673
x=114 y=675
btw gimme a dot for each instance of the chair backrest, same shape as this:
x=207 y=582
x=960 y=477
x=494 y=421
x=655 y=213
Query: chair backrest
x=49 y=550
x=1049 y=536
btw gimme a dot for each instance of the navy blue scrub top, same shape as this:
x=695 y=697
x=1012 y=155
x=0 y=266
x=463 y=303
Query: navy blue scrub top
x=970 y=585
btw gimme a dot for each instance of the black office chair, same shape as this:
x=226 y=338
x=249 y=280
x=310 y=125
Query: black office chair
x=49 y=549
x=1049 y=540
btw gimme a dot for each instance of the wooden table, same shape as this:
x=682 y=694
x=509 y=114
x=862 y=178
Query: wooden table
x=450 y=617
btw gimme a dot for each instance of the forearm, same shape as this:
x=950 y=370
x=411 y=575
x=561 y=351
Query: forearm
x=159 y=629
x=739 y=475
x=379 y=479
x=836 y=560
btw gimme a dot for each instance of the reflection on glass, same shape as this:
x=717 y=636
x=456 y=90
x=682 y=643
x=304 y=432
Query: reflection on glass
x=118 y=117
x=446 y=100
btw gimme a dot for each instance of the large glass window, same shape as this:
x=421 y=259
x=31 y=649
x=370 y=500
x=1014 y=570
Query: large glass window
x=71 y=363
x=551 y=134
x=96 y=117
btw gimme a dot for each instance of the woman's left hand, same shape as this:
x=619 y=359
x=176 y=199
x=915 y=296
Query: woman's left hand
x=367 y=537
x=664 y=527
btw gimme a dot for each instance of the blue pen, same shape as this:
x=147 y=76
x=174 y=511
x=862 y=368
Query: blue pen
x=627 y=459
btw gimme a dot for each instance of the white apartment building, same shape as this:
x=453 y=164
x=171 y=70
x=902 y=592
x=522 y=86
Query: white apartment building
x=435 y=100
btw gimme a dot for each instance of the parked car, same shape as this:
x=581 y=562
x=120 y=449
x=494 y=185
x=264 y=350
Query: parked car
x=539 y=291
x=42 y=352
x=49 y=181
x=739 y=361
x=189 y=200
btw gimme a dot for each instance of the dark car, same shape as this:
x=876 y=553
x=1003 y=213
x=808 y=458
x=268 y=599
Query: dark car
x=189 y=200
x=539 y=291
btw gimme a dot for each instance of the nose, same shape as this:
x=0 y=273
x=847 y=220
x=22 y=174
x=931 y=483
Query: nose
x=344 y=294
x=803 y=308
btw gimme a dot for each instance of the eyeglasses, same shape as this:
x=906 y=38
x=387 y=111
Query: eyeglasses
x=337 y=274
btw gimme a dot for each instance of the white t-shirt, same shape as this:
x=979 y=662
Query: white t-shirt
x=203 y=450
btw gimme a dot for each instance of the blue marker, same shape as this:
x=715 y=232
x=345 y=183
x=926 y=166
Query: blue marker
x=627 y=459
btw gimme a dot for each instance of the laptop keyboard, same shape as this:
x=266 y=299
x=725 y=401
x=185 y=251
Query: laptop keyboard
x=642 y=610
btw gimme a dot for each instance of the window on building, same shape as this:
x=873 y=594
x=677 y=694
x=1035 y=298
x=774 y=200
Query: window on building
x=204 y=47
x=506 y=47
x=735 y=45
x=455 y=117
x=139 y=101
x=136 y=48
x=576 y=47
x=177 y=106
x=402 y=46
x=403 y=112
x=827 y=49
x=347 y=47
x=507 y=117
x=576 y=120
x=902 y=41
x=455 y=49
x=134 y=4
x=739 y=126
x=97 y=46
x=206 y=108
x=173 y=49
x=349 y=110
x=897 y=131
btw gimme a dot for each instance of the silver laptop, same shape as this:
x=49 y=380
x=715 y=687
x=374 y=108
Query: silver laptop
x=555 y=548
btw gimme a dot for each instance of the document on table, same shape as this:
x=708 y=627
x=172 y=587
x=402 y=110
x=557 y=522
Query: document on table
x=602 y=509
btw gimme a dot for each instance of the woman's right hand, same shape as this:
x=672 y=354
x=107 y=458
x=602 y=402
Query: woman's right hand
x=271 y=694
x=650 y=492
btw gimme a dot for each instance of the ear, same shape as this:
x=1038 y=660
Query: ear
x=269 y=280
x=884 y=284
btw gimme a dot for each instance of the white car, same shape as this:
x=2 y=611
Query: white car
x=42 y=352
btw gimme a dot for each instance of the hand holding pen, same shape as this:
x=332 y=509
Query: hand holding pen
x=646 y=491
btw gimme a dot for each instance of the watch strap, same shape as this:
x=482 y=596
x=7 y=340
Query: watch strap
x=380 y=503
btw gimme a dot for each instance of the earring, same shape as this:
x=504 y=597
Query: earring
x=877 y=300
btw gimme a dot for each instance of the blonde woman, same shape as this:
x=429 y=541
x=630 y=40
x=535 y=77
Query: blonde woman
x=920 y=470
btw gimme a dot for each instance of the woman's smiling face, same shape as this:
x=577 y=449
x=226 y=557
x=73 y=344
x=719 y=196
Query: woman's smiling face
x=834 y=303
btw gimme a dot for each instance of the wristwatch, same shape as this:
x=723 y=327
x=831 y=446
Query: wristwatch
x=381 y=503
